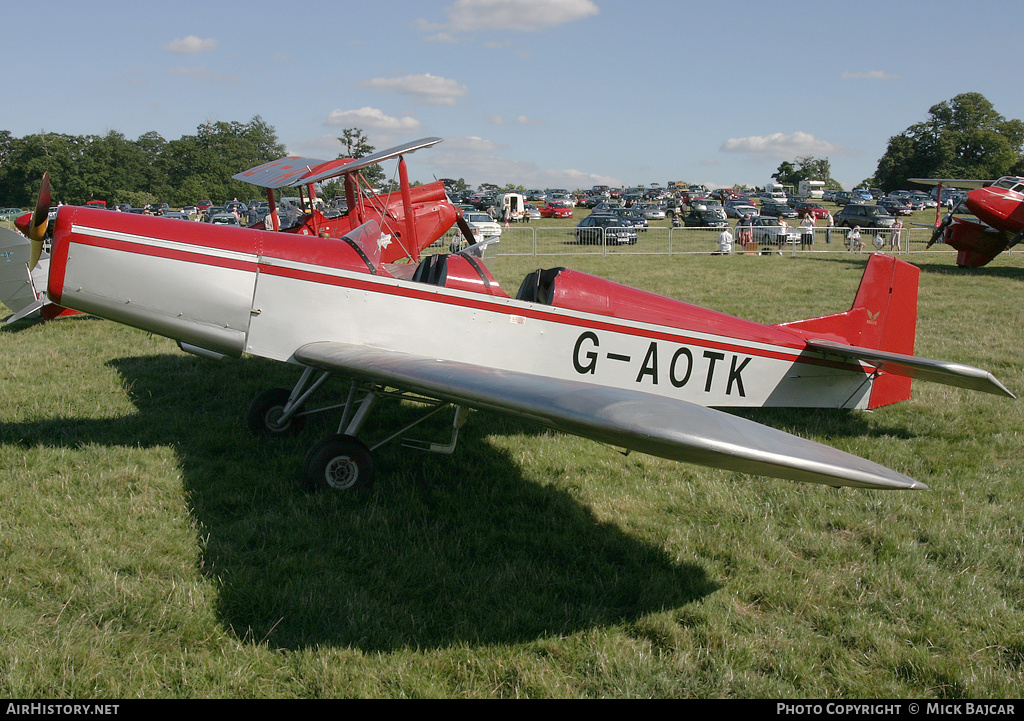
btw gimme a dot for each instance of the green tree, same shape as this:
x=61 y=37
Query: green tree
x=355 y=145
x=962 y=138
x=806 y=167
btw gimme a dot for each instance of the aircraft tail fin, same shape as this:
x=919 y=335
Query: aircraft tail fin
x=883 y=317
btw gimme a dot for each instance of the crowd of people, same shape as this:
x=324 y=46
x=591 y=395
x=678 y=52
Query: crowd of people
x=744 y=235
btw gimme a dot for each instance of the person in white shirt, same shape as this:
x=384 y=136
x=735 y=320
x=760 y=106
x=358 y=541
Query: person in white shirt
x=725 y=242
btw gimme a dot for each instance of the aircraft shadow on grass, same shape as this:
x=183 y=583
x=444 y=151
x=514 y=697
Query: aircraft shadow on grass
x=445 y=550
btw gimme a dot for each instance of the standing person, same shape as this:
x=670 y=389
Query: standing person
x=830 y=222
x=745 y=229
x=807 y=230
x=894 y=236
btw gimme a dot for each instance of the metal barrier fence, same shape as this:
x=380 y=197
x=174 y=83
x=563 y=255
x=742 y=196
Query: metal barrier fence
x=535 y=240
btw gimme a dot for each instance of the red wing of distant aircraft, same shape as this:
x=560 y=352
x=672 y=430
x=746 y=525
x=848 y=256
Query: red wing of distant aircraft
x=998 y=206
x=570 y=351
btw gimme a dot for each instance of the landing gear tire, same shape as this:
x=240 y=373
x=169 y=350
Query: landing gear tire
x=338 y=463
x=264 y=414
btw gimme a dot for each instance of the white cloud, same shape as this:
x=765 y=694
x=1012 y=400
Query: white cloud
x=426 y=88
x=367 y=118
x=521 y=15
x=782 y=146
x=191 y=45
x=871 y=75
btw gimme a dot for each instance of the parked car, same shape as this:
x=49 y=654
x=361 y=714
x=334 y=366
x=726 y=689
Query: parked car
x=711 y=218
x=816 y=209
x=864 y=216
x=224 y=219
x=532 y=211
x=766 y=229
x=556 y=209
x=779 y=210
x=739 y=208
x=895 y=206
x=482 y=225
x=610 y=229
x=650 y=211
x=922 y=200
x=630 y=216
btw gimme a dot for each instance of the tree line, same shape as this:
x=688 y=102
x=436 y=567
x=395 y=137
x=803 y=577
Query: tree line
x=139 y=172
x=963 y=137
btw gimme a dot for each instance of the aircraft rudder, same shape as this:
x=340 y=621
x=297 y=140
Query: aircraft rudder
x=883 y=317
x=888 y=298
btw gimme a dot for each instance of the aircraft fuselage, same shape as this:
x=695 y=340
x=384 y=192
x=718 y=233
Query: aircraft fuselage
x=237 y=291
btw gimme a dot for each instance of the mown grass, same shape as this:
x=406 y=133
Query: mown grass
x=152 y=548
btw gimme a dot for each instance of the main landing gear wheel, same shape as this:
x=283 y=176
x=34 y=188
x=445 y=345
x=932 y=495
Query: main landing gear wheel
x=339 y=463
x=264 y=414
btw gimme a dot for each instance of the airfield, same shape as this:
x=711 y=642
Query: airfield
x=152 y=547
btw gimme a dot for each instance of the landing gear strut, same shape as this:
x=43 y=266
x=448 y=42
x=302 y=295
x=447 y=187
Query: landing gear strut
x=340 y=461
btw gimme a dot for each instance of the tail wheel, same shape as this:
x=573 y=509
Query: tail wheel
x=265 y=411
x=339 y=463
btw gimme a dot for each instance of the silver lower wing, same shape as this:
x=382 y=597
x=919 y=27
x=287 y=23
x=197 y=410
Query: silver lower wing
x=638 y=421
x=951 y=374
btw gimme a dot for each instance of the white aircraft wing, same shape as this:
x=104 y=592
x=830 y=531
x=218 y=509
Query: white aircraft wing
x=952 y=374
x=668 y=428
x=953 y=182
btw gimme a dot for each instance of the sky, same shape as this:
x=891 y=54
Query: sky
x=538 y=93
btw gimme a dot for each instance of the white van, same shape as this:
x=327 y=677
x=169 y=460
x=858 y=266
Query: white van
x=811 y=189
x=514 y=204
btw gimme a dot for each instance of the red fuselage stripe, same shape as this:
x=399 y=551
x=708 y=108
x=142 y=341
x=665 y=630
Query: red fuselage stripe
x=204 y=255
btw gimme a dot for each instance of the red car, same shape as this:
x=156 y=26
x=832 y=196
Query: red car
x=817 y=209
x=556 y=210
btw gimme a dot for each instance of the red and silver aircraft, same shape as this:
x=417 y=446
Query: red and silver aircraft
x=998 y=206
x=568 y=350
x=426 y=206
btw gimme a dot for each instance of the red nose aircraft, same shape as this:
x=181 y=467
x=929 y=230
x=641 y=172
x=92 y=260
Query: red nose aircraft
x=998 y=206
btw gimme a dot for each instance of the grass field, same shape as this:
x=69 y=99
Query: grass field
x=152 y=548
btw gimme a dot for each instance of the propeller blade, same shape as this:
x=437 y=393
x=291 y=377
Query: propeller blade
x=467 y=232
x=37 y=229
x=940 y=230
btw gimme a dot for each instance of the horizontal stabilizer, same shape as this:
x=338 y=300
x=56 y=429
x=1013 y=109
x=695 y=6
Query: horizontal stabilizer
x=953 y=374
x=665 y=427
